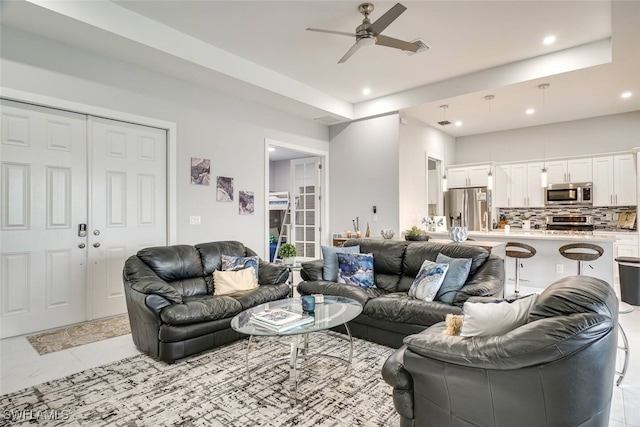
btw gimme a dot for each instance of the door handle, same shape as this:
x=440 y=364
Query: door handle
x=82 y=245
x=96 y=245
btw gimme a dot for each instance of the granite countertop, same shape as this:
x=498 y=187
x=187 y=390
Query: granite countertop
x=520 y=234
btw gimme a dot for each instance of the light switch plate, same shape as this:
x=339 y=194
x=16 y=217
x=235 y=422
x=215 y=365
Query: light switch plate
x=195 y=220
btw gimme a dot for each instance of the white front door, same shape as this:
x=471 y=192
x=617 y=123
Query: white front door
x=128 y=204
x=44 y=200
x=306 y=208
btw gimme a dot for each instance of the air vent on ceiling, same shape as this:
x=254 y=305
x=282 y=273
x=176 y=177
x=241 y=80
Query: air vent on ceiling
x=444 y=122
x=423 y=47
x=327 y=120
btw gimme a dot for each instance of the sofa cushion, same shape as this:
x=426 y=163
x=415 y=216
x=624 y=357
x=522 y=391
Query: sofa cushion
x=261 y=295
x=362 y=295
x=356 y=269
x=330 y=260
x=235 y=263
x=388 y=257
x=417 y=252
x=455 y=279
x=428 y=281
x=211 y=254
x=173 y=263
x=228 y=282
x=400 y=307
x=200 y=309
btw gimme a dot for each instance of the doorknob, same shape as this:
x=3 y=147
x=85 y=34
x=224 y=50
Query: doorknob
x=96 y=232
x=82 y=245
x=96 y=245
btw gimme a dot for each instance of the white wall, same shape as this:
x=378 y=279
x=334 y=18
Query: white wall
x=225 y=129
x=364 y=172
x=417 y=141
x=619 y=132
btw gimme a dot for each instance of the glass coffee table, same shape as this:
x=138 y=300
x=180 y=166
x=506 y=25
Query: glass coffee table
x=334 y=311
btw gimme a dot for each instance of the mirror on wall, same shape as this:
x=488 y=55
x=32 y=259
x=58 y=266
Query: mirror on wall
x=434 y=189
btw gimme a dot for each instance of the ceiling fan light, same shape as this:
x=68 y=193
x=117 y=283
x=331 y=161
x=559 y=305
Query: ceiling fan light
x=367 y=41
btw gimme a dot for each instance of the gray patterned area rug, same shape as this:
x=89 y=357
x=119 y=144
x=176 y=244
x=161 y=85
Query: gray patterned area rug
x=212 y=389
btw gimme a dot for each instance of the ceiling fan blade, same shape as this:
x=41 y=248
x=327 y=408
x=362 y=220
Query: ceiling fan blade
x=340 y=33
x=386 y=19
x=398 y=44
x=349 y=53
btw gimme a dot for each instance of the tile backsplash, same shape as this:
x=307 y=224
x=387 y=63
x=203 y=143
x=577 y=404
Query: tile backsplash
x=601 y=215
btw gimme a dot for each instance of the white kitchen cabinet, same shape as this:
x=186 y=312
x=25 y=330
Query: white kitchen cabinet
x=468 y=176
x=614 y=180
x=626 y=244
x=572 y=170
x=519 y=185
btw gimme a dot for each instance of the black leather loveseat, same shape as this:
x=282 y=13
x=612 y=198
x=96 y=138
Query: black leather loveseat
x=169 y=293
x=557 y=369
x=389 y=313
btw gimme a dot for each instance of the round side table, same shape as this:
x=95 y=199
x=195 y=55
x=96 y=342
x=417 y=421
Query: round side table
x=623 y=308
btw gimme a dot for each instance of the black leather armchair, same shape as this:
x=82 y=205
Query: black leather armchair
x=169 y=292
x=556 y=370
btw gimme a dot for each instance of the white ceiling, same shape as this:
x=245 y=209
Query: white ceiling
x=259 y=50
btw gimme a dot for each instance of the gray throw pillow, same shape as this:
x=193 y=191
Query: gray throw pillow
x=330 y=257
x=455 y=279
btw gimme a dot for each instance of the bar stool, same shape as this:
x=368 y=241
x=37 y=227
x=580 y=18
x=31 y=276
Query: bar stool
x=519 y=251
x=581 y=252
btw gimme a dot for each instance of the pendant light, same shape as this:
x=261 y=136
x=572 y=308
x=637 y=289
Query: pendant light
x=444 y=122
x=490 y=174
x=543 y=175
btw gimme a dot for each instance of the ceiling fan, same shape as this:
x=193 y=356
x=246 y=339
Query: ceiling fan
x=367 y=33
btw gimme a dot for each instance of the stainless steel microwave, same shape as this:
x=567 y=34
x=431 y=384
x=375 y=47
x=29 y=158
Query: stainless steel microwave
x=579 y=193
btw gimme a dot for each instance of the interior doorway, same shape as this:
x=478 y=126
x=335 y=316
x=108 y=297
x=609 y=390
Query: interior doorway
x=296 y=199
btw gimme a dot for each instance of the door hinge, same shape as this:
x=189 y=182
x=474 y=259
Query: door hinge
x=319 y=165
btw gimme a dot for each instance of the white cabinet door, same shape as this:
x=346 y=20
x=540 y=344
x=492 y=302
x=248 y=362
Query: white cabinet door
x=556 y=172
x=579 y=170
x=502 y=186
x=519 y=185
x=457 y=177
x=624 y=180
x=603 y=191
x=535 y=192
x=478 y=175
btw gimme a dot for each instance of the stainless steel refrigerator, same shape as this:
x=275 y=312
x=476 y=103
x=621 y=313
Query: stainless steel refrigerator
x=468 y=207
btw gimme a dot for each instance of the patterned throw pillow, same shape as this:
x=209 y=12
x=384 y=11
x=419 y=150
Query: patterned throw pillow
x=235 y=263
x=356 y=269
x=428 y=281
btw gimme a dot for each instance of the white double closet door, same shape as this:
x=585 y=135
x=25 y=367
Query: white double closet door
x=80 y=194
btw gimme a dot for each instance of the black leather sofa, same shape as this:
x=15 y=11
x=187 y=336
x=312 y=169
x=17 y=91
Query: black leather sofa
x=389 y=313
x=555 y=370
x=169 y=293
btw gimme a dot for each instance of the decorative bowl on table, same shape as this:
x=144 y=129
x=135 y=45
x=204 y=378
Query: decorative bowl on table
x=387 y=233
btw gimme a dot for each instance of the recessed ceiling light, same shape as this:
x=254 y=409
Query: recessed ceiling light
x=626 y=95
x=530 y=111
x=272 y=149
x=366 y=91
x=549 y=40
x=458 y=123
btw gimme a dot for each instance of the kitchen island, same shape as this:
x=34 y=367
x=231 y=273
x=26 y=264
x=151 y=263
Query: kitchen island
x=548 y=265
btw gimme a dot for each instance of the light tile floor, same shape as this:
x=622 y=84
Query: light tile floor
x=21 y=366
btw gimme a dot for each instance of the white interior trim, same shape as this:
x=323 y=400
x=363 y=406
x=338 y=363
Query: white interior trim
x=76 y=107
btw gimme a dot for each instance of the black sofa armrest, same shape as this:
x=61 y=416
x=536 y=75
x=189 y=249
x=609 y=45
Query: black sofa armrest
x=312 y=270
x=141 y=278
x=270 y=273
x=396 y=376
x=487 y=282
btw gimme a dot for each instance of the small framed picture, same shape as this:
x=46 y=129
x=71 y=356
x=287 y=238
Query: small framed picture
x=441 y=223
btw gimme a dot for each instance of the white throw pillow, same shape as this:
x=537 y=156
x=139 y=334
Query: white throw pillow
x=492 y=319
x=228 y=282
